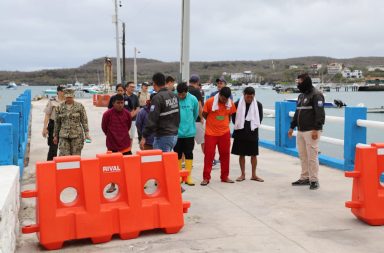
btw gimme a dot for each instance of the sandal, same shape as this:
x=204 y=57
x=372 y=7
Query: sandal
x=239 y=179
x=204 y=182
x=258 y=179
x=228 y=181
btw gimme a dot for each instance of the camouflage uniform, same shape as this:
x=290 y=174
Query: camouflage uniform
x=50 y=110
x=70 y=126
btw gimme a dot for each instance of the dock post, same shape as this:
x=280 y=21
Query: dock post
x=353 y=134
x=12 y=118
x=6 y=147
x=285 y=123
x=277 y=124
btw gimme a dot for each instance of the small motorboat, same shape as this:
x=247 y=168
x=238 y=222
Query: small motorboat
x=12 y=86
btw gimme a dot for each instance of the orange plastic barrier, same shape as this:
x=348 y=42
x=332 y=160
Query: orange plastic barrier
x=95 y=214
x=367 y=192
x=94 y=99
x=101 y=100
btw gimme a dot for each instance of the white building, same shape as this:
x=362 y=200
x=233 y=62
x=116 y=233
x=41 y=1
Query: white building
x=374 y=68
x=347 y=73
x=316 y=66
x=293 y=67
x=334 y=68
x=246 y=75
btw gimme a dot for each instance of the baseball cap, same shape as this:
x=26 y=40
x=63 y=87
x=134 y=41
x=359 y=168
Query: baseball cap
x=221 y=79
x=194 y=79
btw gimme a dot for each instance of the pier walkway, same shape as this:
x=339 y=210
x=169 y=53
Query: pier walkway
x=248 y=216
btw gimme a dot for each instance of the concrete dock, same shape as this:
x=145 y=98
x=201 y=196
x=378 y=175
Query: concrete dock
x=248 y=216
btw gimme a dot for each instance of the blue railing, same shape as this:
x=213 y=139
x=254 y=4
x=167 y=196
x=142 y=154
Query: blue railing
x=14 y=129
x=355 y=132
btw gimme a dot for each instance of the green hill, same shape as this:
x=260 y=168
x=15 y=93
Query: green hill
x=279 y=71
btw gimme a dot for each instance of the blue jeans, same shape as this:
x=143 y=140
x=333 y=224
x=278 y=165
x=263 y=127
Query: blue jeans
x=165 y=143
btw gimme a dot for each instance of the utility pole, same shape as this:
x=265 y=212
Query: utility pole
x=185 y=32
x=135 y=52
x=116 y=21
x=123 y=47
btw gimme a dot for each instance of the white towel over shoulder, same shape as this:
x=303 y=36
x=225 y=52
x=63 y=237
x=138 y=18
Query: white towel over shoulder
x=253 y=115
x=215 y=105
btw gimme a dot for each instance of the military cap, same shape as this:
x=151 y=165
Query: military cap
x=69 y=93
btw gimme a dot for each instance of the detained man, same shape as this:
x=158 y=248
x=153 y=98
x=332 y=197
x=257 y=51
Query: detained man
x=116 y=123
x=247 y=120
x=217 y=113
x=189 y=110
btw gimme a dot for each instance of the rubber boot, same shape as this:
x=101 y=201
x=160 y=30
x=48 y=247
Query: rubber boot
x=188 y=167
x=180 y=164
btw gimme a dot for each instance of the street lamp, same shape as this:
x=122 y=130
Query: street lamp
x=185 y=35
x=116 y=21
x=135 y=52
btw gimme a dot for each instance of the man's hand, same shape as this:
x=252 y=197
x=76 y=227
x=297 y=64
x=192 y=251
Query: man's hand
x=142 y=142
x=45 y=132
x=290 y=133
x=315 y=134
x=55 y=140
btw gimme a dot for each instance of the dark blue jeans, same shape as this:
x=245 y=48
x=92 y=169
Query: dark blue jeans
x=165 y=143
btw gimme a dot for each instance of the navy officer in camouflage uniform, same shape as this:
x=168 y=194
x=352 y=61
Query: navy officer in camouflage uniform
x=71 y=125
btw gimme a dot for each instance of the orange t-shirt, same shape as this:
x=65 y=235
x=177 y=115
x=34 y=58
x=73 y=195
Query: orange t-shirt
x=217 y=122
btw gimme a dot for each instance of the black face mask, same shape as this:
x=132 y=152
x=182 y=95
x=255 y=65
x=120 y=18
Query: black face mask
x=305 y=86
x=301 y=88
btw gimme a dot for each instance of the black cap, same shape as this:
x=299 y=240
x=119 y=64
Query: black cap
x=60 y=88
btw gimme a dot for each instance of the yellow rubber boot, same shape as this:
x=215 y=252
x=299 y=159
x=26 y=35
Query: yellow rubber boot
x=188 y=167
x=180 y=168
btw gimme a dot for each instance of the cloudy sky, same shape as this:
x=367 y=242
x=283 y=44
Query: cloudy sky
x=37 y=34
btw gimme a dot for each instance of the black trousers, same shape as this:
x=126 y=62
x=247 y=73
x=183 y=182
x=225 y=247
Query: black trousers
x=125 y=153
x=52 y=152
x=185 y=146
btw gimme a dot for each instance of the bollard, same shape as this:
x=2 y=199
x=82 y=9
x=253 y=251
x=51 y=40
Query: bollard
x=353 y=134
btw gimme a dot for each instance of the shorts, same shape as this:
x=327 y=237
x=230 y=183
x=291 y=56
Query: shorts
x=200 y=132
x=132 y=131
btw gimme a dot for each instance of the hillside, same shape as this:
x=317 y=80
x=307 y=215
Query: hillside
x=91 y=71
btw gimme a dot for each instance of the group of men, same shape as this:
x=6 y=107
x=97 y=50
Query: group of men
x=176 y=120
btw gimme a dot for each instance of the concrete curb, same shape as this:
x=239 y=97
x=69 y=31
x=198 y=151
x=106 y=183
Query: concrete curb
x=9 y=207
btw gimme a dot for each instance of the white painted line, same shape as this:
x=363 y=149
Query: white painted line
x=149 y=159
x=68 y=165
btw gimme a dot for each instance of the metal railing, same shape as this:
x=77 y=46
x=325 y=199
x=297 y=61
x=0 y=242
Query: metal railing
x=354 y=121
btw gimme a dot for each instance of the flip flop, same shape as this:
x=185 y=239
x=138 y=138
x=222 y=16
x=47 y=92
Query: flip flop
x=239 y=179
x=204 y=182
x=257 y=179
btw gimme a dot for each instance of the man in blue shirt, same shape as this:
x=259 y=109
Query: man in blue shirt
x=189 y=110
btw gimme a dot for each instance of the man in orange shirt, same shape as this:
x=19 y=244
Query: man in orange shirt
x=217 y=112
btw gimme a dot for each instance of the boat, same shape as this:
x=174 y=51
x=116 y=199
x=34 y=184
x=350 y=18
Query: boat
x=326 y=104
x=324 y=88
x=287 y=90
x=376 y=110
x=93 y=89
x=371 y=87
x=12 y=86
x=50 y=92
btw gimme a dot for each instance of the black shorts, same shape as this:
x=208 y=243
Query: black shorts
x=245 y=148
x=185 y=146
